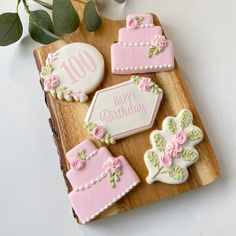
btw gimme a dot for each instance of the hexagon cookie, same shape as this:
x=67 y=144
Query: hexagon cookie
x=124 y=109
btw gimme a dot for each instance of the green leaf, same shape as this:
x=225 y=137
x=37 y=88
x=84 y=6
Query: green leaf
x=185 y=119
x=91 y=18
x=176 y=173
x=135 y=78
x=153 y=158
x=10 y=28
x=151 y=50
x=46 y=71
x=44 y=4
x=41 y=27
x=65 y=18
x=172 y=127
x=195 y=134
x=189 y=155
x=160 y=142
x=120 y=1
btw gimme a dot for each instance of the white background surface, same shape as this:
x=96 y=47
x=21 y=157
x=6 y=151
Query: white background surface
x=33 y=198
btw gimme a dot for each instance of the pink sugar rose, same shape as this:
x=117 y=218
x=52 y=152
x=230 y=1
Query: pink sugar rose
x=173 y=149
x=77 y=164
x=51 y=82
x=180 y=138
x=145 y=84
x=160 y=41
x=166 y=160
x=98 y=132
x=111 y=164
x=132 y=23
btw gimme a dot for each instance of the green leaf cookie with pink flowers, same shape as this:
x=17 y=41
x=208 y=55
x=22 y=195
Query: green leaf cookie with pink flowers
x=173 y=149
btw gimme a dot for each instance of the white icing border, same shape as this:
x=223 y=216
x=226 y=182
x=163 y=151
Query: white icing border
x=146 y=25
x=141 y=67
x=111 y=202
x=91 y=183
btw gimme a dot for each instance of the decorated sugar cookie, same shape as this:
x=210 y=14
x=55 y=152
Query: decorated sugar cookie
x=73 y=71
x=173 y=149
x=141 y=47
x=98 y=179
x=124 y=109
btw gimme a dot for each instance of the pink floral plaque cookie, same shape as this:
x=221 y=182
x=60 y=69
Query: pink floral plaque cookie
x=173 y=149
x=124 y=109
x=98 y=179
x=73 y=71
x=141 y=47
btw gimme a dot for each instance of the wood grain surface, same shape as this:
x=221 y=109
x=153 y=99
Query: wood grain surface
x=67 y=120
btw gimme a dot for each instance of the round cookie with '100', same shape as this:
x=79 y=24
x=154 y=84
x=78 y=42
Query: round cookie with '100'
x=73 y=71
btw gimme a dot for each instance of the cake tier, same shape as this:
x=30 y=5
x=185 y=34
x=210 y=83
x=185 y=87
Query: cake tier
x=92 y=168
x=90 y=202
x=141 y=35
x=147 y=18
x=134 y=59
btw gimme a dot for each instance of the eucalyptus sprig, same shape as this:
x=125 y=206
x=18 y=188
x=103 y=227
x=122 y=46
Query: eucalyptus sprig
x=44 y=29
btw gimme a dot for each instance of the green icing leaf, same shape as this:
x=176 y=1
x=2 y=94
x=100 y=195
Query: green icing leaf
x=10 y=28
x=139 y=19
x=172 y=127
x=90 y=126
x=91 y=17
x=153 y=158
x=135 y=78
x=46 y=71
x=176 y=173
x=189 y=155
x=195 y=134
x=42 y=31
x=61 y=91
x=160 y=142
x=65 y=17
x=152 y=50
x=82 y=154
x=114 y=177
x=185 y=119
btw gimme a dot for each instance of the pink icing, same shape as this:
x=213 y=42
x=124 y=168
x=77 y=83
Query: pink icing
x=166 y=160
x=91 y=201
x=132 y=23
x=160 y=41
x=145 y=84
x=111 y=164
x=98 y=132
x=173 y=149
x=51 y=82
x=77 y=164
x=147 y=18
x=181 y=138
x=130 y=54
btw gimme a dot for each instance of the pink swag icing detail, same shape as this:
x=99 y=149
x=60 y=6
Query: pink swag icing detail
x=77 y=164
x=145 y=84
x=173 y=149
x=98 y=132
x=111 y=164
x=160 y=41
x=51 y=82
x=180 y=137
x=166 y=160
x=132 y=23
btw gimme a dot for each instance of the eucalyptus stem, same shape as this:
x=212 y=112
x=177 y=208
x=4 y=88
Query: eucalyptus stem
x=36 y=23
x=17 y=5
x=44 y=4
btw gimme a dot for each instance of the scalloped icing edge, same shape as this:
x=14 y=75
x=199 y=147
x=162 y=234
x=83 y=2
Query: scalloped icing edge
x=111 y=202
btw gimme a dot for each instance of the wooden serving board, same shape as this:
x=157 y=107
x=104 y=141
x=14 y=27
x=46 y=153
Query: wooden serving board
x=67 y=120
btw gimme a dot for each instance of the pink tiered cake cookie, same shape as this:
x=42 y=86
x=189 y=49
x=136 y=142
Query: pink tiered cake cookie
x=141 y=47
x=98 y=179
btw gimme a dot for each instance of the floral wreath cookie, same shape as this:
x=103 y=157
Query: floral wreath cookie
x=124 y=109
x=173 y=149
x=73 y=71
